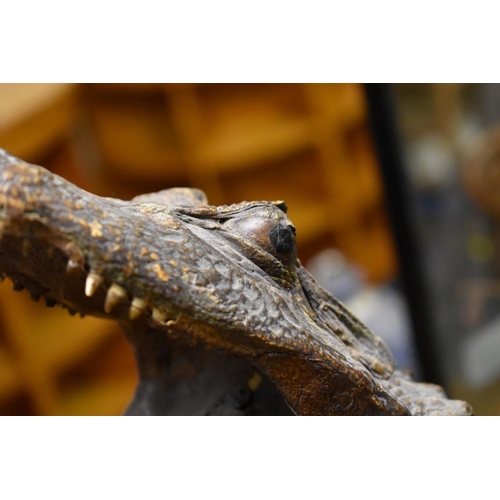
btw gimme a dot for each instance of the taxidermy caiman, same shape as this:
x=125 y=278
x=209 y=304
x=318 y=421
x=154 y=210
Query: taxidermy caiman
x=221 y=314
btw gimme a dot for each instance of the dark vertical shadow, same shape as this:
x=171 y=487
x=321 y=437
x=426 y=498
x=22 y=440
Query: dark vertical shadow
x=383 y=123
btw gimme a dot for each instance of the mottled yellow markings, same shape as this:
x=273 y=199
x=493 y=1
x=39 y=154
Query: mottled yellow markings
x=379 y=367
x=129 y=268
x=154 y=256
x=96 y=229
x=172 y=262
x=116 y=247
x=144 y=251
x=169 y=223
x=254 y=381
x=78 y=205
x=12 y=203
x=117 y=231
x=160 y=272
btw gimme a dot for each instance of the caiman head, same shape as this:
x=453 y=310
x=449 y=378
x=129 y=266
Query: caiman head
x=173 y=270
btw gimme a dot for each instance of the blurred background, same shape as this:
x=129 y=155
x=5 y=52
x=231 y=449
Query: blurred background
x=313 y=146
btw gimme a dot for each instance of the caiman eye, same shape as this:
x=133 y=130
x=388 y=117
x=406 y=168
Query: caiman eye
x=282 y=237
x=274 y=236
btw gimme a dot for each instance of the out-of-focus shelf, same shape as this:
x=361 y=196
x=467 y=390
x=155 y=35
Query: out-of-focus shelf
x=9 y=377
x=35 y=116
x=99 y=397
x=42 y=349
x=307 y=144
x=45 y=344
x=250 y=106
x=309 y=221
x=58 y=339
x=346 y=109
x=137 y=141
x=232 y=151
x=113 y=89
x=65 y=341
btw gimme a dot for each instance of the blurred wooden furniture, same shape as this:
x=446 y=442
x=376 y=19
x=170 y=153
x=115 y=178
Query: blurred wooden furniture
x=55 y=364
x=33 y=118
x=307 y=144
x=52 y=363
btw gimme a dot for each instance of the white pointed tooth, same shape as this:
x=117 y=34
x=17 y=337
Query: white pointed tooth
x=93 y=282
x=137 y=308
x=115 y=294
x=159 y=315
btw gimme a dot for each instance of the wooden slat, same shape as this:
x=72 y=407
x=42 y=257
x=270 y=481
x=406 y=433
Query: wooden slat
x=35 y=116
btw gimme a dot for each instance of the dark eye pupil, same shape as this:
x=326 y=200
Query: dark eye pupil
x=281 y=237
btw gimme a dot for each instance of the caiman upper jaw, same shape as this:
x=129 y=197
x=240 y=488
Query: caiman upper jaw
x=227 y=277
x=119 y=259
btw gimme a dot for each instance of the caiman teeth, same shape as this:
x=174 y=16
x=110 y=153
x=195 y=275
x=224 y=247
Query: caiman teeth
x=159 y=315
x=115 y=294
x=72 y=266
x=137 y=308
x=93 y=282
x=49 y=302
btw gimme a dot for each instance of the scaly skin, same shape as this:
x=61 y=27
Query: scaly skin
x=175 y=271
